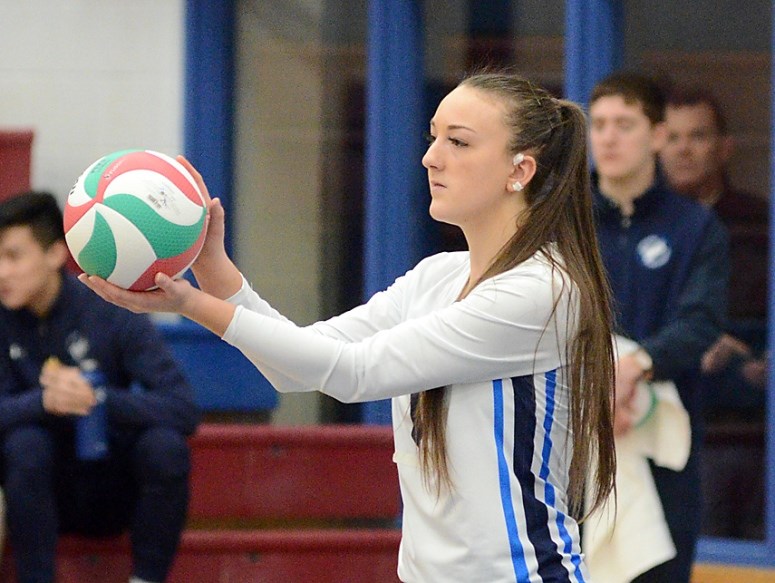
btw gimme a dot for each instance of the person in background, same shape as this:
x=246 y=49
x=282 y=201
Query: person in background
x=498 y=359
x=695 y=158
x=70 y=360
x=666 y=258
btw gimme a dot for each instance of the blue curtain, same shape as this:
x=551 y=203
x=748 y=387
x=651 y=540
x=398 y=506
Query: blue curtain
x=396 y=192
x=209 y=95
x=594 y=44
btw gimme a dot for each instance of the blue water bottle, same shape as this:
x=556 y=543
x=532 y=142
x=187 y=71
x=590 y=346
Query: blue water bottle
x=91 y=431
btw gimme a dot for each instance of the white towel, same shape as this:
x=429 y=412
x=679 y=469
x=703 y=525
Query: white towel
x=621 y=546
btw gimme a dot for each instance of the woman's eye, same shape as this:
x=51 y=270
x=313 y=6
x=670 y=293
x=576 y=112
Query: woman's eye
x=430 y=138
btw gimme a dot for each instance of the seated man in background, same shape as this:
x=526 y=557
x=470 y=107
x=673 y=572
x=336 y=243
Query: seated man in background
x=694 y=158
x=56 y=340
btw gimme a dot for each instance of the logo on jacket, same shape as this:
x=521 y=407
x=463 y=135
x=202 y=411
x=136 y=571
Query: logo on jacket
x=77 y=346
x=16 y=352
x=654 y=251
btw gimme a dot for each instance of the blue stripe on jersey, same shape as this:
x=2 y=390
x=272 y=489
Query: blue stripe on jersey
x=531 y=429
x=504 y=478
x=549 y=492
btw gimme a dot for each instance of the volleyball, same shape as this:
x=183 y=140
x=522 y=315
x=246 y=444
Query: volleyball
x=133 y=214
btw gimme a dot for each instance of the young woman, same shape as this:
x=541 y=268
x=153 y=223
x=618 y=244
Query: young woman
x=498 y=359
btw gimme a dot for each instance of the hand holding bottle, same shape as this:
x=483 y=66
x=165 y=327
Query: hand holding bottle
x=65 y=390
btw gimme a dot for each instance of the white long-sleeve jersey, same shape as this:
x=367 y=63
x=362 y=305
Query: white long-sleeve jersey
x=501 y=354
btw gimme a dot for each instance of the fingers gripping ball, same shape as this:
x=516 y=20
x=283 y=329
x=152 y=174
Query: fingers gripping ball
x=133 y=214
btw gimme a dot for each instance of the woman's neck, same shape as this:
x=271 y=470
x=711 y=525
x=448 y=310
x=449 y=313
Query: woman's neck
x=484 y=245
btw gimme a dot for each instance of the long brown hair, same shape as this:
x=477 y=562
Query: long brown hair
x=560 y=211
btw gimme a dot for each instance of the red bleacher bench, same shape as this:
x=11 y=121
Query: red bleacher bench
x=313 y=504
x=274 y=473
x=234 y=556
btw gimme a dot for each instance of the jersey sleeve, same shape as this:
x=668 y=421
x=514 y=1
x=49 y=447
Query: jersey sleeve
x=503 y=328
x=383 y=310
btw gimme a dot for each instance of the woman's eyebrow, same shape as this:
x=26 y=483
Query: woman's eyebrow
x=455 y=127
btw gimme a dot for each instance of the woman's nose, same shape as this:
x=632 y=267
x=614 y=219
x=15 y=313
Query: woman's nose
x=430 y=158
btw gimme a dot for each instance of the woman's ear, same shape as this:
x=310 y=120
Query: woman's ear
x=523 y=172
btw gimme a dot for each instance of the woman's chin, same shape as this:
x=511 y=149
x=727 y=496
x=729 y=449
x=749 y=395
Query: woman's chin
x=438 y=213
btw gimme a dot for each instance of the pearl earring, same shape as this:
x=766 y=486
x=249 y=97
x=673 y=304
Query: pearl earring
x=517 y=186
x=518 y=158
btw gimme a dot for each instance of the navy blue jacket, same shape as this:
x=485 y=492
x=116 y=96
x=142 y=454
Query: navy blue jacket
x=669 y=269
x=145 y=385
